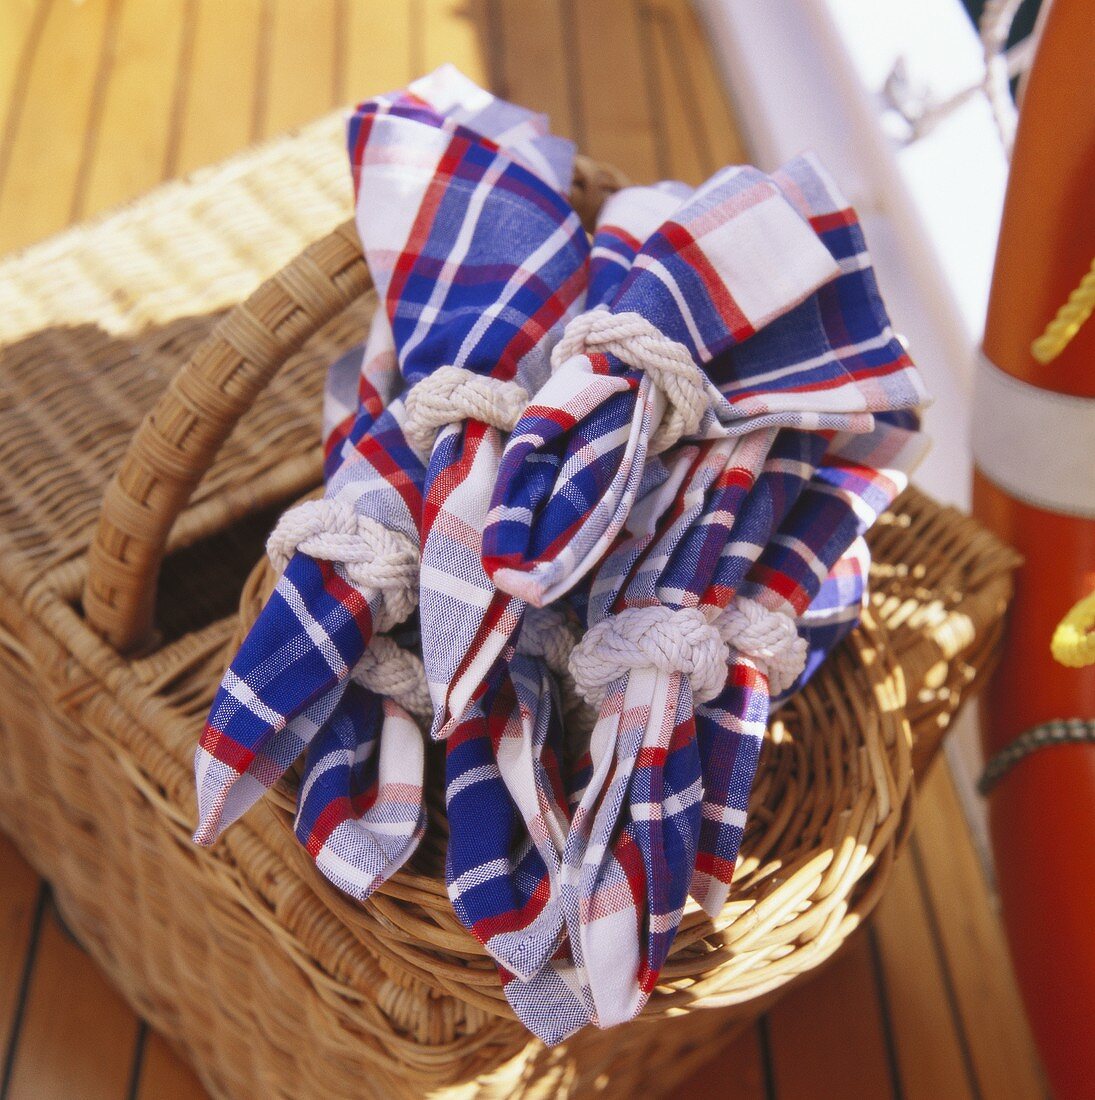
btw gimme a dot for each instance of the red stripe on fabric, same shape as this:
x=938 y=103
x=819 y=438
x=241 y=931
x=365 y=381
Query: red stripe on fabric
x=514 y=919
x=333 y=814
x=500 y=603
x=396 y=476
x=425 y=217
x=537 y=326
x=719 y=293
x=226 y=750
x=347 y=595
x=900 y=363
x=359 y=150
x=836 y=219
x=630 y=858
x=709 y=864
x=621 y=235
x=651 y=757
x=782 y=585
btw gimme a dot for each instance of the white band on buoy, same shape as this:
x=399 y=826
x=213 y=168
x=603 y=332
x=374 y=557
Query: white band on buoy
x=1037 y=445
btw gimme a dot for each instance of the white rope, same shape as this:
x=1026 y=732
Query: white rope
x=768 y=638
x=388 y=669
x=373 y=557
x=450 y=395
x=545 y=634
x=633 y=340
x=684 y=641
x=650 y=637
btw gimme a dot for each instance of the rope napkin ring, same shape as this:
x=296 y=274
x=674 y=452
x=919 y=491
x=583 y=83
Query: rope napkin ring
x=546 y=634
x=373 y=557
x=450 y=395
x=650 y=637
x=386 y=668
x=633 y=340
x=769 y=639
x=684 y=641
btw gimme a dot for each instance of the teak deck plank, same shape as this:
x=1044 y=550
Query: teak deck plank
x=299 y=38
x=453 y=31
x=378 y=52
x=78 y=1037
x=222 y=82
x=1000 y=1046
x=99 y=100
x=614 y=103
x=928 y=1044
x=56 y=117
x=818 y=1041
x=21 y=901
x=134 y=133
x=164 y=1075
x=535 y=68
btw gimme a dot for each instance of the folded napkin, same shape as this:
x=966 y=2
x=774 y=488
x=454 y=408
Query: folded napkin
x=560 y=997
x=820 y=538
x=650 y=655
x=668 y=610
x=289 y=674
x=496 y=699
x=738 y=257
x=427 y=167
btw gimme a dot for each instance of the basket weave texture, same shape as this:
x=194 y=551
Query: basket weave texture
x=270 y=981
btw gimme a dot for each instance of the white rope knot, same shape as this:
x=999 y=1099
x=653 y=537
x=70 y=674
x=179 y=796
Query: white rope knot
x=373 y=557
x=650 y=637
x=452 y=394
x=388 y=669
x=545 y=634
x=633 y=340
x=768 y=638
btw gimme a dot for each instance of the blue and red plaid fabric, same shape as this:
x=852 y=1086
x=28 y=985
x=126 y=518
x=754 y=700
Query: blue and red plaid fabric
x=572 y=850
x=288 y=677
x=430 y=174
x=859 y=478
x=505 y=743
x=739 y=256
x=635 y=834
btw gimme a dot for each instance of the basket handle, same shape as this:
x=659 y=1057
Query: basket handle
x=178 y=440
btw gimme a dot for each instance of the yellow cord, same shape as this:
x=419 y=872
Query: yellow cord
x=1073 y=642
x=1067 y=323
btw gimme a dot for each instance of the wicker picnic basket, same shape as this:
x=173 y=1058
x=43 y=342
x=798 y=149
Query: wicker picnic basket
x=264 y=976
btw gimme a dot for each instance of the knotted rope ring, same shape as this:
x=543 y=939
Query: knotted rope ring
x=387 y=669
x=768 y=638
x=685 y=641
x=650 y=637
x=450 y=395
x=373 y=557
x=545 y=634
x=633 y=340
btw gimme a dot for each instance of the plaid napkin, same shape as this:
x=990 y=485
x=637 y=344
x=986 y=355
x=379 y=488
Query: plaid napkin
x=664 y=610
x=735 y=259
x=427 y=163
x=860 y=477
x=562 y=997
x=289 y=674
x=504 y=729
x=625 y=221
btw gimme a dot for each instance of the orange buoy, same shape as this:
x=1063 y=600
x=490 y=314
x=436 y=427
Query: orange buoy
x=1034 y=445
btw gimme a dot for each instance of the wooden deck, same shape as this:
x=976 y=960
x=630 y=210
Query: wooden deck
x=102 y=99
